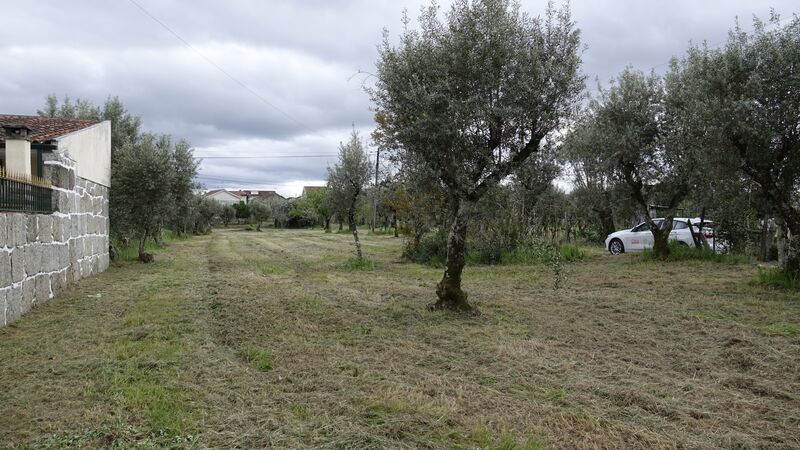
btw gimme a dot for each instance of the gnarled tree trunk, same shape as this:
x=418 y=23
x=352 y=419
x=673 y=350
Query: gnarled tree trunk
x=449 y=289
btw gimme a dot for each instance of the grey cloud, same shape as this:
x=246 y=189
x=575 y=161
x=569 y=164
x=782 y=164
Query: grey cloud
x=297 y=55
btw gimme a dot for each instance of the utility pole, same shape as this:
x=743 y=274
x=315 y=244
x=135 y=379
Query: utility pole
x=375 y=191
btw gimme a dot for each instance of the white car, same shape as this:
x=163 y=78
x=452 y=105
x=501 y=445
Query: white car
x=640 y=237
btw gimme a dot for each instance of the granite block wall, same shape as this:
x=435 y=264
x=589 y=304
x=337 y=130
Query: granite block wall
x=41 y=253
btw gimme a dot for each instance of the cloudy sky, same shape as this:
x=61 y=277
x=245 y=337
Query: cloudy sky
x=274 y=79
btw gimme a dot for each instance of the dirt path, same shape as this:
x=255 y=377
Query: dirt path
x=252 y=340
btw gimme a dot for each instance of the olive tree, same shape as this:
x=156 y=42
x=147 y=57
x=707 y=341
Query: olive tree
x=227 y=213
x=634 y=128
x=259 y=212
x=471 y=97
x=141 y=184
x=746 y=102
x=592 y=178
x=347 y=180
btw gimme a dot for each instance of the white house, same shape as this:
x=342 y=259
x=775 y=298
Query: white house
x=223 y=196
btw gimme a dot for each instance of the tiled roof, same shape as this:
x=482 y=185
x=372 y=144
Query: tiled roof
x=254 y=193
x=44 y=129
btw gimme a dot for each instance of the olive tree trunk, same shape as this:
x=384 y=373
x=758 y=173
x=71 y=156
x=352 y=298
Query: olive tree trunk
x=351 y=220
x=449 y=291
x=143 y=255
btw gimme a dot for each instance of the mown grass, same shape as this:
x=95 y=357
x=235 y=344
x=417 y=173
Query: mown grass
x=682 y=252
x=264 y=340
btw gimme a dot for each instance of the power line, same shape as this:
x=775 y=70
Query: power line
x=218 y=67
x=266 y=157
x=240 y=180
x=330 y=155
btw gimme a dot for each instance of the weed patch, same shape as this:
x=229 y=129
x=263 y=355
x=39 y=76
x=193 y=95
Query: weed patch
x=777 y=279
x=359 y=264
x=260 y=358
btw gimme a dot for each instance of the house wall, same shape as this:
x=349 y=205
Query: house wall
x=89 y=148
x=226 y=198
x=41 y=253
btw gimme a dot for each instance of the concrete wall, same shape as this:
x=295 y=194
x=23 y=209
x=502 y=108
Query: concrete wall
x=41 y=253
x=90 y=148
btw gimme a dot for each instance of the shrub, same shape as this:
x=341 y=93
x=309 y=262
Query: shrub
x=432 y=249
x=778 y=278
x=359 y=264
x=683 y=252
x=571 y=253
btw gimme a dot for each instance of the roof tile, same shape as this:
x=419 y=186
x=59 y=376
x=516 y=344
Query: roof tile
x=45 y=129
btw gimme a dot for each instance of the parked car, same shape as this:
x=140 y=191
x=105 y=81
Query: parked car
x=640 y=237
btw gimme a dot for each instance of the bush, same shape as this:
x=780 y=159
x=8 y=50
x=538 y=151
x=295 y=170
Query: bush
x=683 y=252
x=778 y=278
x=359 y=264
x=491 y=247
x=432 y=249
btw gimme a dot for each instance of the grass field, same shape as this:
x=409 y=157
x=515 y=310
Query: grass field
x=252 y=340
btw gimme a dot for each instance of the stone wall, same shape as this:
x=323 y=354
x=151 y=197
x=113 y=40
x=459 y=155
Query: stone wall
x=41 y=253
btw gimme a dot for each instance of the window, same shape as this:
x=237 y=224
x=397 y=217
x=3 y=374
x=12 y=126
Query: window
x=679 y=225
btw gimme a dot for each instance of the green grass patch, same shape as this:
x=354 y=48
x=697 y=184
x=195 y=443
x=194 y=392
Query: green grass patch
x=784 y=328
x=260 y=358
x=382 y=232
x=571 y=253
x=359 y=264
x=683 y=252
x=267 y=268
x=482 y=437
x=778 y=279
x=131 y=252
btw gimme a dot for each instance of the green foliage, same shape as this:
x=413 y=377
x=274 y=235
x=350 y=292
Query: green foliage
x=315 y=208
x=571 y=253
x=347 y=180
x=431 y=249
x=141 y=183
x=259 y=213
x=242 y=211
x=152 y=176
x=227 y=213
x=259 y=357
x=778 y=278
x=491 y=247
x=466 y=100
x=359 y=264
x=682 y=252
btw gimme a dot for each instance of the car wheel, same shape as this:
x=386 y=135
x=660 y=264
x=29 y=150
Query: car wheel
x=683 y=244
x=615 y=247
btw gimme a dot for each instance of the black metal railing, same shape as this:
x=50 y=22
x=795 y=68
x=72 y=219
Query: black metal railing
x=29 y=194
